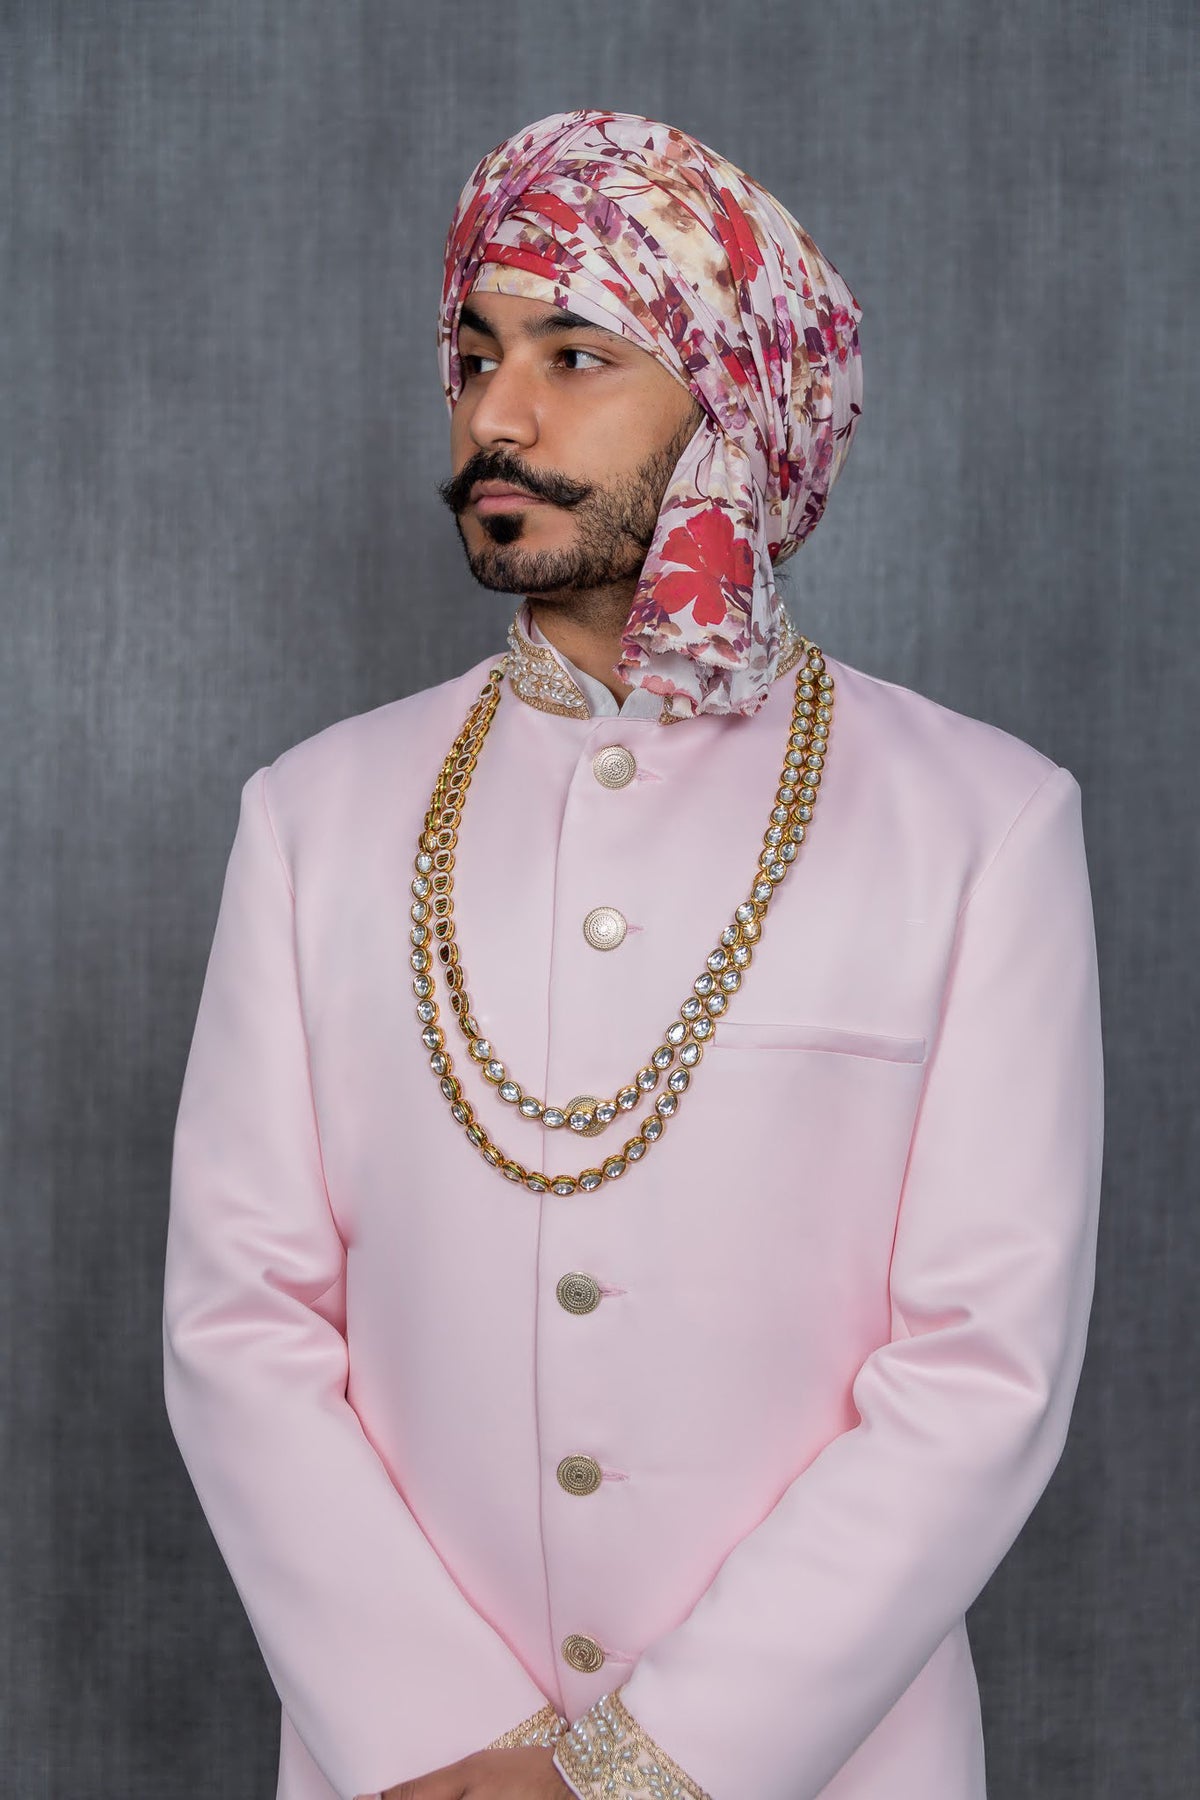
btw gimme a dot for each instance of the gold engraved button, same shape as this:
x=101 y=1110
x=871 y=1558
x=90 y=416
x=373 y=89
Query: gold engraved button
x=613 y=766
x=604 y=928
x=578 y=1293
x=579 y=1474
x=583 y=1653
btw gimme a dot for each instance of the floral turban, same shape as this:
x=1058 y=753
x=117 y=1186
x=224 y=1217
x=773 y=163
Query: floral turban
x=647 y=230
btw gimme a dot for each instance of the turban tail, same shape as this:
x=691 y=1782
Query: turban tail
x=638 y=225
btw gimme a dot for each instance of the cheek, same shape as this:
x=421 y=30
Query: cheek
x=639 y=422
x=609 y=439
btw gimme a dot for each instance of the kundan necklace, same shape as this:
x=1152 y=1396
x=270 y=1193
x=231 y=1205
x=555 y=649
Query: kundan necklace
x=694 y=1026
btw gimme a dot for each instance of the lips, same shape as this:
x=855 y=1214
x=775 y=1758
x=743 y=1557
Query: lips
x=505 y=501
x=502 y=490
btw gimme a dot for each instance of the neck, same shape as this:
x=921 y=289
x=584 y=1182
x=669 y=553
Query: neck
x=587 y=629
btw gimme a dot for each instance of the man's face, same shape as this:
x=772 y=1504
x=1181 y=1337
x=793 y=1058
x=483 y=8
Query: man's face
x=579 y=418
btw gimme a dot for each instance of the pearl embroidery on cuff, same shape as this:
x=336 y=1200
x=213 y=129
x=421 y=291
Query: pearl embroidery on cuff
x=606 y=1752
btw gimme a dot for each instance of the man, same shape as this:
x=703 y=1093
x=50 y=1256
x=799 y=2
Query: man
x=636 y=1177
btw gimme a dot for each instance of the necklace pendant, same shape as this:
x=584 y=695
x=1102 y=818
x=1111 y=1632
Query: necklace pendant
x=583 y=1107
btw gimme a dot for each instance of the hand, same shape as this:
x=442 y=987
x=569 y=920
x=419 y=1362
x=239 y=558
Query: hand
x=526 y=1773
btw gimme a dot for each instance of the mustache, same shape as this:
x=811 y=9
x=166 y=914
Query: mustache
x=557 y=489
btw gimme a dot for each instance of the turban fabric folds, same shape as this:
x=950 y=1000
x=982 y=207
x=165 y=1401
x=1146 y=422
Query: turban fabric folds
x=639 y=226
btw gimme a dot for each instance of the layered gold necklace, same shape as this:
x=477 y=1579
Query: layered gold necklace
x=672 y=1063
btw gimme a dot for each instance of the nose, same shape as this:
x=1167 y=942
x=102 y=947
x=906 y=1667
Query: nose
x=504 y=413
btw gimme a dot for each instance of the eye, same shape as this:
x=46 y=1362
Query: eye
x=471 y=363
x=582 y=352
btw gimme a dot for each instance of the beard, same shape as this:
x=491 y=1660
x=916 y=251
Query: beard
x=614 y=528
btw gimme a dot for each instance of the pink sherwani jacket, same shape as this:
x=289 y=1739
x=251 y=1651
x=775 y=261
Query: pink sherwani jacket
x=843 y=1303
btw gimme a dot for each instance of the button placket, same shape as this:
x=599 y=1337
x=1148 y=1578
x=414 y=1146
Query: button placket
x=604 y=928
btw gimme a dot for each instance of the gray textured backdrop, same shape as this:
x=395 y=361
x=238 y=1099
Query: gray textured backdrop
x=222 y=227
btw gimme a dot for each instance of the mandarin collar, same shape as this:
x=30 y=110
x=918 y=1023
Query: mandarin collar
x=544 y=678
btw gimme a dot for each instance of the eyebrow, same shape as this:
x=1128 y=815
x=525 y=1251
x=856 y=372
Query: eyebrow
x=558 y=320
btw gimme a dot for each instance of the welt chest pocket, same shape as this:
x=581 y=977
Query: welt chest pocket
x=752 y=1034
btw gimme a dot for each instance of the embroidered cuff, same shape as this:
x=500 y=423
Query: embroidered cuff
x=606 y=1752
x=545 y=1726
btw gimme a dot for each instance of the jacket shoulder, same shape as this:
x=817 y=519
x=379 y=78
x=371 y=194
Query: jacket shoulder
x=926 y=725
x=396 y=747
x=971 y=778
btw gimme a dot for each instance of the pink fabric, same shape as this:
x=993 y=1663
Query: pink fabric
x=661 y=239
x=843 y=1305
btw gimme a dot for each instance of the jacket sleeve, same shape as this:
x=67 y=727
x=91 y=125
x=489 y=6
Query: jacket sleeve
x=363 y=1629
x=824 y=1613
